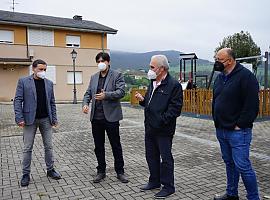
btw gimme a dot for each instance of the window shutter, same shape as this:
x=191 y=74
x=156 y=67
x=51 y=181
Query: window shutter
x=73 y=41
x=78 y=77
x=40 y=37
x=6 y=36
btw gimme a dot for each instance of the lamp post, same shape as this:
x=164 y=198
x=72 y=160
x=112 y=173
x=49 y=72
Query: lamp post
x=74 y=55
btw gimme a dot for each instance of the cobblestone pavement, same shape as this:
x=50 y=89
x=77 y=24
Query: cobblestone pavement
x=199 y=169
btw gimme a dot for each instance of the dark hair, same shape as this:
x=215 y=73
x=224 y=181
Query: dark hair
x=37 y=62
x=231 y=53
x=104 y=56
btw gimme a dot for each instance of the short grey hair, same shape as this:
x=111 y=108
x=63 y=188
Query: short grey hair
x=231 y=53
x=161 y=60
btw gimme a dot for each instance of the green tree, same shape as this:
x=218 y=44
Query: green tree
x=243 y=46
x=128 y=79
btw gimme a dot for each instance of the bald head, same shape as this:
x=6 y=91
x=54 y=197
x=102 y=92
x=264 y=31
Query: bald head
x=226 y=56
x=227 y=52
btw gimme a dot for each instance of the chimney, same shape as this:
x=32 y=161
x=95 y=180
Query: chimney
x=77 y=17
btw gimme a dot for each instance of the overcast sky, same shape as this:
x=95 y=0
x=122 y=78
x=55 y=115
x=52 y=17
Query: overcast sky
x=146 y=25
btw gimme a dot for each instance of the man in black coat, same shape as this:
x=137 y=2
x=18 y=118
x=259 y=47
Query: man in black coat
x=235 y=107
x=163 y=102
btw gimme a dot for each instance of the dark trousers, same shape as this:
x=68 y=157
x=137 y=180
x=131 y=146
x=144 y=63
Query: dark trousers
x=161 y=170
x=112 y=129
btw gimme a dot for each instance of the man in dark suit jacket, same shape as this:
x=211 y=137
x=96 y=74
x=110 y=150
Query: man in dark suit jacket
x=34 y=107
x=163 y=103
x=106 y=88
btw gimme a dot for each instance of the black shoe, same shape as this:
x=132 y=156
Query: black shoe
x=162 y=194
x=25 y=180
x=53 y=174
x=122 y=178
x=99 y=177
x=150 y=186
x=226 y=197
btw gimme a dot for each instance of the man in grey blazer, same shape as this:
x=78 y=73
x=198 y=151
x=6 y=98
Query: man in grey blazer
x=106 y=88
x=34 y=107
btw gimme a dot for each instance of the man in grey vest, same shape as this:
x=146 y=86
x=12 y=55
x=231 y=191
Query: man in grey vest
x=106 y=88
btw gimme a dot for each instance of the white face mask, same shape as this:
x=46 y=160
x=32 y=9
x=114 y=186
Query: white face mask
x=102 y=66
x=41 y=74
x=151 y=74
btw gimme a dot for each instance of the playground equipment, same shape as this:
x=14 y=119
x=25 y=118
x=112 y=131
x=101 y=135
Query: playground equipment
x=198 y=101
x=191 y=81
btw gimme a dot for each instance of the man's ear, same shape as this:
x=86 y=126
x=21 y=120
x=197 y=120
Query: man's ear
x=163 y=69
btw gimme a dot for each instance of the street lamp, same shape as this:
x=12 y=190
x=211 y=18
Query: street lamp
x=74 y=55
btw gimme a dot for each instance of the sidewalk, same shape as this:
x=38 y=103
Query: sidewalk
x=199 y=169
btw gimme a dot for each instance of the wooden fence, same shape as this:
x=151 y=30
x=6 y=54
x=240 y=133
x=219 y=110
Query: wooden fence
x=199 y=101
x=133 y=100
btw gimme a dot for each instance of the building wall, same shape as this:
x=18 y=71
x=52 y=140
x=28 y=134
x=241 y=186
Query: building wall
x=13 y=51
x=54 y=56
x=57 y=55
x=19 y=33
x=88 y=39
x=8 y=80
x=64 y=91
x=61 y=58
x=61 y=55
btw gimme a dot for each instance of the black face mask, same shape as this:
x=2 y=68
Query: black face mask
x=219 y=66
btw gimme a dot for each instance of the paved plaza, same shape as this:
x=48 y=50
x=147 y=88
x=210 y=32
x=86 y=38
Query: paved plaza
x=199 y=169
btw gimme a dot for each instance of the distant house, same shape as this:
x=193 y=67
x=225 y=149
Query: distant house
x=136 y=74
x=142 y=87
x=26 y=37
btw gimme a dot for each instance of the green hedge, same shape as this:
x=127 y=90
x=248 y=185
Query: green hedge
x=126 y=97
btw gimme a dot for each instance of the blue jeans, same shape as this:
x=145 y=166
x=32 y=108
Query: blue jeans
x=29 y=133
x=235 y=147
x=158 y=150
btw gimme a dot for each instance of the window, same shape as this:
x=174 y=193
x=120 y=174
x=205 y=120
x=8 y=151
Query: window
x=40 y=37
x=6 y=37
x=51 y=74
x=78 y=77
x=73 y=41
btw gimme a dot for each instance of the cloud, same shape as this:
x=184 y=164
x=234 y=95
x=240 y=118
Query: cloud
x=144 y=25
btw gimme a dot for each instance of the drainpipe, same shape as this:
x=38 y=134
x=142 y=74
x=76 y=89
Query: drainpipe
x=27 y=48
x=102 y=42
